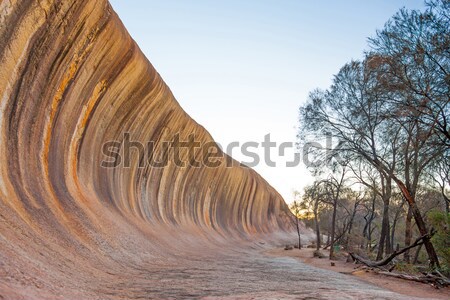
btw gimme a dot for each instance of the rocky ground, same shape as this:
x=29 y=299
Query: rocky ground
x=404 y=287
x=246 y=274
x=198 y=270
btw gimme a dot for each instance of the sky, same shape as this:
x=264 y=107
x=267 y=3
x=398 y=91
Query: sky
x=242 y=69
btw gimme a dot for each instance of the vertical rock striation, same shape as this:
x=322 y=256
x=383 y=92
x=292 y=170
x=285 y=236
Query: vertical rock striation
x=71 y=80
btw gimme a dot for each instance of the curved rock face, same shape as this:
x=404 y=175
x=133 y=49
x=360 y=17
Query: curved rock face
x=76 y=91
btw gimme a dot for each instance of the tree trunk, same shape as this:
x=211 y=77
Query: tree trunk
x=299 y=236
x=388 y=247
x=350 y=225
x=333 y=229
x=444 y=196
x=416 y=256
x=434 y=261
x=394 y=224
x=316 y=223
x=384 y=235
x=372 y=216
x=408 y=234
x=432 y=255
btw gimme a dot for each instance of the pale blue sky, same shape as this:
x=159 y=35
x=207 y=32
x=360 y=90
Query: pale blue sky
x=242 y=68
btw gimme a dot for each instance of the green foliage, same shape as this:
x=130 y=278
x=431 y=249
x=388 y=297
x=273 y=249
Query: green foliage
x=441 y=223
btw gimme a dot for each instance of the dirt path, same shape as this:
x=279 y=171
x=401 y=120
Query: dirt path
x=397 y=285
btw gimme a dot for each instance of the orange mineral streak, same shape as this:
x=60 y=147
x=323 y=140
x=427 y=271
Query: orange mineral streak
x=72 y=79
x=81 y=126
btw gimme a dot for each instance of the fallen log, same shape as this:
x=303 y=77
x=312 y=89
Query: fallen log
x=438 y=281
x=388 y=259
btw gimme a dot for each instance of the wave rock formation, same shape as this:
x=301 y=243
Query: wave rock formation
x=71 y=80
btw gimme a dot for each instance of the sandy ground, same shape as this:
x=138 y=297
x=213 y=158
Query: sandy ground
x=397 y=285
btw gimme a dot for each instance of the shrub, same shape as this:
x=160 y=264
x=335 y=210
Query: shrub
x=441 y=240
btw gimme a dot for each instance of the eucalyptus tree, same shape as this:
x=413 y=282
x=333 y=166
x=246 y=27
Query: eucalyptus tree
x=313 y=196
x=334 y=186
x=297 y=207
x=380 y=183
x=412 y=57
x=391 y=110
x=353 y=110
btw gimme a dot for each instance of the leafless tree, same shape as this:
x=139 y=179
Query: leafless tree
x=296 y=207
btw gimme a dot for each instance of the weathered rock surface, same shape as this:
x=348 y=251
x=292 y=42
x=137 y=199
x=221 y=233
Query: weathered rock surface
x=72 y=79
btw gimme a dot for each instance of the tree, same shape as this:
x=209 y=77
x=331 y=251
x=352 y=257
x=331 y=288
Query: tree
x=357 y=110
x=411 y=54
x=381 y=184
x=297 y=207
x=391 y=110
x=369 y=217
x=398 y=211
x=356 y=199
x=333 y=188
x=312 y=196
